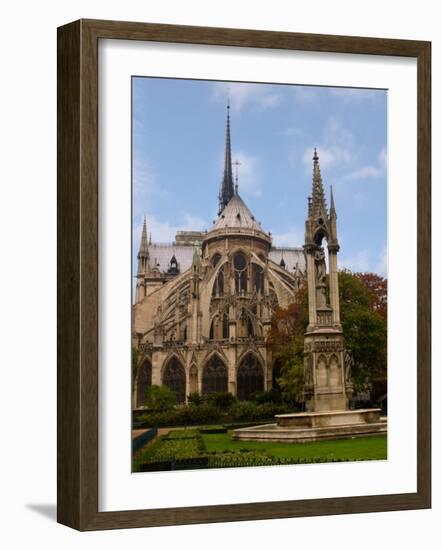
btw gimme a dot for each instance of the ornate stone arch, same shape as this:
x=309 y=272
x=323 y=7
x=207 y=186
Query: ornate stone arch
x=240 y=269
x=254 y=351
x=335 y=376
x=216 y=350
x=174 y=352
x=250 y=375
x=322 y=371
x=222 y=332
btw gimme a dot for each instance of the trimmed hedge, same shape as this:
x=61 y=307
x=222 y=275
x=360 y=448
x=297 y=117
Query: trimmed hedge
x=213 y=430
x=198 y=415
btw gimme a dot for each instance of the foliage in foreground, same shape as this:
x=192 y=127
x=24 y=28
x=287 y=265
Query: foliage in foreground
x=207 y=413
x=159 y=398
x=190 y=449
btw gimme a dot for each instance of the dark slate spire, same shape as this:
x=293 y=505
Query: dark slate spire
x=318 y=207
x=227 y=186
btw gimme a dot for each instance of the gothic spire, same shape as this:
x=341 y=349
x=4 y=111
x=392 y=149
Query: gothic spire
x=332 y=204
x=318 y=206
x=143 y=253
x=227 y=185
x=144 y=247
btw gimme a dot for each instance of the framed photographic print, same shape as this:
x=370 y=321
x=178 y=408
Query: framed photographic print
x=243 y=275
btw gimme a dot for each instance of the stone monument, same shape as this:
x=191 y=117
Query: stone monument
x=328 y=385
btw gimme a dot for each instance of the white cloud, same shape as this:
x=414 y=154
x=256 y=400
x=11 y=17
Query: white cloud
x=242 y=94
x=248 y=179
x=193 y=223
x=336 y=146
x=165 y=231
x=337 y=149
x=362 y=262
x=145 y=184
x=327 y=157
x=357 y=263
x=382 y=265
x=363 y=173
x=370 y=171
x=292 y=236
x=382 y=158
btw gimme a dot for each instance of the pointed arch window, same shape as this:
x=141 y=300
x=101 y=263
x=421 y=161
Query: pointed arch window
x=214 y=376
x=240 y=270
x=250 y=377
x=218 y=285
x=258 y=278
x=215 y=259
x=144 y=380
x=174 y=377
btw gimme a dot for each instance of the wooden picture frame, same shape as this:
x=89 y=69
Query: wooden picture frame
x=77 y=226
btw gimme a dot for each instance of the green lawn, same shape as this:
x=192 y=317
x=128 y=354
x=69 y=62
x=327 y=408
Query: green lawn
x=220 y=450
x=358 y=448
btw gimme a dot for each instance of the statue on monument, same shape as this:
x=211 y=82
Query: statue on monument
x=320 y=271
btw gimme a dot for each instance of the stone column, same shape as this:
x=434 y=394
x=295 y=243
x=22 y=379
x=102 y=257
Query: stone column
x=334 y=288
x=311 y=283
x=157 y=363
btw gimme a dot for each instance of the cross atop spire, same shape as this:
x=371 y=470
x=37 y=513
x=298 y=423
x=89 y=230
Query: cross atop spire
x=318 y=206
x=227 y=186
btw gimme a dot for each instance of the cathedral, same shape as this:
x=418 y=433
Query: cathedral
x=204 y=303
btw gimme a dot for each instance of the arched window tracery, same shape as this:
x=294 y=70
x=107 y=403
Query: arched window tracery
x=214 y=376
x=174 y=376
x=250 y=377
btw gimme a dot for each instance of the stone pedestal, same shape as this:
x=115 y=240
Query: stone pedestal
x=315 y=426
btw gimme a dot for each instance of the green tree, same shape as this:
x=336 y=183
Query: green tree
x=365 y=330
x=159 y=398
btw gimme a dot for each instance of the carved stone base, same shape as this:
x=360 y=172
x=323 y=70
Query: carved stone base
x=304 y=427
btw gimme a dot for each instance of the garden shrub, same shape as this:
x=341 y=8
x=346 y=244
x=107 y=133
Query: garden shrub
x=213 y=430
x=222 y=400
x=159 y=398
x=194 y=399
x=270 y=396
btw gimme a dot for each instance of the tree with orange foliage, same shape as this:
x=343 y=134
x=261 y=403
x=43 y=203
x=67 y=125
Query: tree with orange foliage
x=287 y=338
x=377 y=286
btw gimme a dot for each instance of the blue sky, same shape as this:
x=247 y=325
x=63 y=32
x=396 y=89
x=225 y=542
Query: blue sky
x=178 y=147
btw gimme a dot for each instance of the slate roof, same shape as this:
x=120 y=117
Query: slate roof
x=236 y=214
x=162 y=254
x=291 y=256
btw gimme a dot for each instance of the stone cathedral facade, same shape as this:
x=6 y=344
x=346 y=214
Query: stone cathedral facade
x=204 y=303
